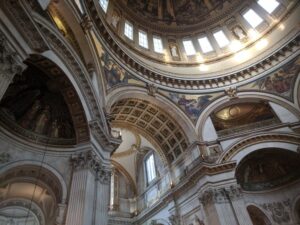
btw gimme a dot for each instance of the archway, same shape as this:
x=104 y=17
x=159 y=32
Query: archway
x=257 y=216
x=267 y=169
x=43 y=106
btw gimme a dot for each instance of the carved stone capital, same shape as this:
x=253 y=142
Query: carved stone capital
x=89 y=160
x=220 y=195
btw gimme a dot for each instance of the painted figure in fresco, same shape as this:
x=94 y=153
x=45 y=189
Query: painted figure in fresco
x=113 y=72
x=192 y=106
x=42 y=120
x=281 y=81
x=30 y=114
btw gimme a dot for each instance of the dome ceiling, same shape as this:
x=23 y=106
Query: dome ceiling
x=177 y=13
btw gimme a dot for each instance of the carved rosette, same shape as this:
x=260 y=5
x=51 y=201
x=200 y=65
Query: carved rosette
x=89 y=160
x=220 y=195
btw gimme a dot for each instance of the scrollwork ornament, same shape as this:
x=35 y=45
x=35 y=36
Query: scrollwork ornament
x=279 y=211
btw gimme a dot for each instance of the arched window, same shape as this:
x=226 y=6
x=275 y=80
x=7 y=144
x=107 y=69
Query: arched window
x=150 y=168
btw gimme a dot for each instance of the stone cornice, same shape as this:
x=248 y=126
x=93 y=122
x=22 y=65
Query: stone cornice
x=167 y=81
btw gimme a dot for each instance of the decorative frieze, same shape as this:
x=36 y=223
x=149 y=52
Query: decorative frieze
x=88 y=160
x=280 y=211
x=220 y=195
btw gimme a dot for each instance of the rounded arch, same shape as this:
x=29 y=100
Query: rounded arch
x=56 y=59
x=159 y=100
x=30 y=208
x=126 y=174
x=268 y=169
x=225 y=100
x=257 y=215
x=47 y=169
x=66 y=12
x=238 y=150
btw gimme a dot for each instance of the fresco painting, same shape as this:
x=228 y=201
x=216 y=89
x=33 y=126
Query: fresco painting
x=192 y=105
x=115 y=74
x=282 y=81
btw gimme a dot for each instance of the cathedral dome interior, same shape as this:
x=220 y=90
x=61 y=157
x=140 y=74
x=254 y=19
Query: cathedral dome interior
x=149 y=112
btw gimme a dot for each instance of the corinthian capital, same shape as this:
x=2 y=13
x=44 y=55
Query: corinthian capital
x=89 y=160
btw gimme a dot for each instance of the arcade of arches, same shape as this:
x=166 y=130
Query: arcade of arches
x=174 y=112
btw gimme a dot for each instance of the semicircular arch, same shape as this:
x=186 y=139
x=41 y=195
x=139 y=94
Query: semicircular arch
x=225 y=100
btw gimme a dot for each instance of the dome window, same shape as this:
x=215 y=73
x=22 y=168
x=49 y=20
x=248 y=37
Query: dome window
x=189 y=47
x=221 y=39
x=268 y=5
x=143 y=39
x=252 y=18
x=158 y=46
x=104 y=4
x=128 y=30
x=205 y=45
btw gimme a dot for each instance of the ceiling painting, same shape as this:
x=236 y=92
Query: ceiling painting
x=115 y=75
x=280 y=82
x=192 y=105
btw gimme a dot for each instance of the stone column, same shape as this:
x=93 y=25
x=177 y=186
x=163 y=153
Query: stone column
x=9 y=65
x=103 y=196
x=89 y=194
x=225 y=206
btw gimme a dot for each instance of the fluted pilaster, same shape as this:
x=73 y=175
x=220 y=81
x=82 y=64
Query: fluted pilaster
x=89 y=196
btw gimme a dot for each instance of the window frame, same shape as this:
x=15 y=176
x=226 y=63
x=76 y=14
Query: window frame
x=129 y=25
x=263 y=5
x=209 y=42
x=161 y=42
x=148 y=156
x=143 y=40
x=254 y=24
x=222 y=46
x=187 y=50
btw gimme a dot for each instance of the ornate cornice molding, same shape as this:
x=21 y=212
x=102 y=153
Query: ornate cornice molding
x=220 y=195
x=167 y=81
x=260 y=138
x=89 y=160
